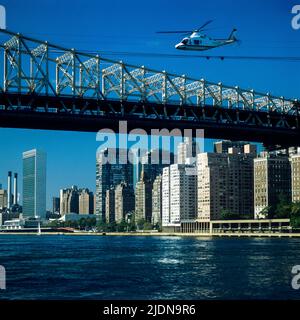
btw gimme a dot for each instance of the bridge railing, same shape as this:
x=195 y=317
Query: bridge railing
x=37 y=67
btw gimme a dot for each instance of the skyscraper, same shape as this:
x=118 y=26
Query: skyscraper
x=15 y=189
x=34 y=183
x=74 y=200
x=272 y=179
x=124 y=201
x=55 y=205
x=154 y=161
x=143 y=199
x=110 y=205
x=3 y=199
x=9 y=196
x=295 y=168
x=212 y=170
x=225 y=182
x=188 y=149
x=223 y=146
x=178 y=187
x=136 y=165
x=111 y=169
x=179 y=200
x=69 y=200
x=166 y=192
x=157 y=200
x=86 y=201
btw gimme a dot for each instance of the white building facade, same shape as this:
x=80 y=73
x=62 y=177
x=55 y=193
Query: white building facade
x=179 y=196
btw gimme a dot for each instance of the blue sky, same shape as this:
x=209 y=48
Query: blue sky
x=264 y=27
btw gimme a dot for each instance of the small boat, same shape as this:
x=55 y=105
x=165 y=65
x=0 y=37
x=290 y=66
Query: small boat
x=39 y=229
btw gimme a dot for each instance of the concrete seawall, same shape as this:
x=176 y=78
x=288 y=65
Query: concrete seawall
x=164 y=234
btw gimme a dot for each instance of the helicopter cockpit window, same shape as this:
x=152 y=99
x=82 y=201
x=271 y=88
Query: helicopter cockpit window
x=185 y=41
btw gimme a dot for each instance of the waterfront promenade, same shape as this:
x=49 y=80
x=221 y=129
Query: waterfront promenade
x=270 y=228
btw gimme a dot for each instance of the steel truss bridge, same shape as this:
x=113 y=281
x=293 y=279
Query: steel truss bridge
x=46 y=86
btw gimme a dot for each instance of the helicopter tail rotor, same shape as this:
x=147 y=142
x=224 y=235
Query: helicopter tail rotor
x=232 y=35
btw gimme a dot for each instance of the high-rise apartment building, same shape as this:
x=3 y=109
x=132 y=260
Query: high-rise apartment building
x=74 y=200
x=55 y=205
x=34 y=183
x=3 y=199
x=225 y=183
x=69 y=200
x=272 y=179
x=223 y=146
x=154 y=161
x=110 y=205
x=157 y=200
x=94 y=204
x=86 y=201
x=212 y=171
x=137 y=164
x=241 y=180
x=295 y=178
x=124 y=201
x=188 y=149
x=111 y=169
x=179 y=194
x=143 y=199
x=165 y=201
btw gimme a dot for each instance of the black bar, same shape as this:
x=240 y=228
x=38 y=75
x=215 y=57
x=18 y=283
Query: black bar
x=90 y=310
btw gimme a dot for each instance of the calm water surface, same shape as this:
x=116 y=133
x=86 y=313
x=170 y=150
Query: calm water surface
x=93 y=267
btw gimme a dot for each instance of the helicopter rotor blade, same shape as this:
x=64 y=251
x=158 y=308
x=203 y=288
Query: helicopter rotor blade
x=189 y=31
x=174 y=31
x=205 y=24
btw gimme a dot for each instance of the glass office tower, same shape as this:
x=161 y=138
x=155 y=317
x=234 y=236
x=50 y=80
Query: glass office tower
x=34 y=184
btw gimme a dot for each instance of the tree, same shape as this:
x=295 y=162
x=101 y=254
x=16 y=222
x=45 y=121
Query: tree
x=131 y=226
x=295 y=215
x=295 y=209
x=227 y=215
x=267 y=212
x=55 y=224
x=122 y=226
x=112 y=226
x=157 y=226
x=82 y=223
x=90 y=222
x=295 y=222
x=283 y=207
x=101 y=226
x=148 y=226
x=140 y=224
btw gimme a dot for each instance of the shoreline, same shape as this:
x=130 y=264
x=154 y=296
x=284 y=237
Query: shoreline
x=163 y=234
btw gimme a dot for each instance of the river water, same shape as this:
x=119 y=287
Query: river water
x=135 y=267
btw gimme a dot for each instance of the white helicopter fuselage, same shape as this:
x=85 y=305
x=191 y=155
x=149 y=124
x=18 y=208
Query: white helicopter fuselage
x=199 y=42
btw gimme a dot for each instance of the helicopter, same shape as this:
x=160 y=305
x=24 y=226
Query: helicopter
x=197 y=40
